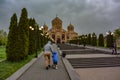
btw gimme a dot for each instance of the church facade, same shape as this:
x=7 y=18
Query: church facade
x=57 y=33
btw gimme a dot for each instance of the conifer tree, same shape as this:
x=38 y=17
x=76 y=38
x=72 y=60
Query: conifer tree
x=31 y=36
x=11 y=52
x=94 y=39
x=101 y=40
x=109 y=39
x=23 y=37
x=89 y=39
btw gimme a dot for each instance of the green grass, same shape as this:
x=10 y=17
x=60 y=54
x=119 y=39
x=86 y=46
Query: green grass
x=2 y=53
x=8 y=68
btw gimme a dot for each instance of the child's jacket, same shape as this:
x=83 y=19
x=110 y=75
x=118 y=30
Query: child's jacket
x=55 y=57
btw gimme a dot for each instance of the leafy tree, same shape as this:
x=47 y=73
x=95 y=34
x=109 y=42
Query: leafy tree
x=11 y=48
x=84 y=40
x=117 y=32
x=3 y=37
x=101 y=40
x=73 y=41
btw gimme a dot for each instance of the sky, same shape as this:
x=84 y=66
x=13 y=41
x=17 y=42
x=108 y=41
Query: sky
x=87 y=16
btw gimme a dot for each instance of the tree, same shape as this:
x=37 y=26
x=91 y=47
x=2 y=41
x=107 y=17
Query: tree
x=117 y=32
x=23 y=35
x=109 y=39
x=89 y=39
x=84 y=40
x=94 y=39
x=11 y=47
x=32 y=37
x=101 y=40
x=3 y=37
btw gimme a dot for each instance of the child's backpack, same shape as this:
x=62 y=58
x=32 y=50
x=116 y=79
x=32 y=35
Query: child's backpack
x=55 y=57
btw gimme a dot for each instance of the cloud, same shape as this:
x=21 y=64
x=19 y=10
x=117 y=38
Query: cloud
x=87 y=16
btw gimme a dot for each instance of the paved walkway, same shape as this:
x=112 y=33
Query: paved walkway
x=38 y=72
x=102 y=73
x=97 y=48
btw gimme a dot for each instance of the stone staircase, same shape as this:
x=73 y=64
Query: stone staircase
x=95 y=62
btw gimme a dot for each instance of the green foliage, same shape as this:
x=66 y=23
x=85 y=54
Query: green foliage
x=109 y=39
x=84 y=39
x=117 y=32
x=12 y=39
x=18 y=38
x=23 y=38
x=94 y=40
x=73 y=41
x=3 y=37
x=89 y=39
x=2 y=53
x=101 y=40
x=8 y=68
x=32 y=37
x=79 y=40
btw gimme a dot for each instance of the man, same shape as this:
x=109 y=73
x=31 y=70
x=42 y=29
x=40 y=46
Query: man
x=114 y=50
x=47 y=52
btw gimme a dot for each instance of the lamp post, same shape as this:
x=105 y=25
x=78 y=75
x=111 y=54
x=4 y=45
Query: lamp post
x=36 y=37
x=84 y=40
x=115 y=44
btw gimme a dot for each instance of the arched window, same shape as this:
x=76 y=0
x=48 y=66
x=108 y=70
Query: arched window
x=63 y=36
x=53 y=36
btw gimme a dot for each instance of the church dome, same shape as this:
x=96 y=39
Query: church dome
x=45 y=27
x=70 y=27
x=57 y=19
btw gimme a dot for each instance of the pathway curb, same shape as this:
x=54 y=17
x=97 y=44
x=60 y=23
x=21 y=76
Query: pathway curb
x=71 y=72
x=19 y=72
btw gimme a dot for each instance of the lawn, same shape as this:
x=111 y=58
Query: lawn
x=8 y=68
x=2 y=53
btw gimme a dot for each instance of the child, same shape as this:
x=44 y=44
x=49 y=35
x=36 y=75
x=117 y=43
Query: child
x=55 y=59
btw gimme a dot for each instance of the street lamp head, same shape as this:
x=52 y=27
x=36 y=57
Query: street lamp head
x=107 y=33
x=42 y=27
x=30 y=27
x=42 y=34
x=112 y=33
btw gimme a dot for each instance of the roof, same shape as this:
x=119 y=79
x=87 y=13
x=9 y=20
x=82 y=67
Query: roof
x=57 y=19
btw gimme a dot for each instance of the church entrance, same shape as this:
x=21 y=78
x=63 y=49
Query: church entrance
x=58 y=40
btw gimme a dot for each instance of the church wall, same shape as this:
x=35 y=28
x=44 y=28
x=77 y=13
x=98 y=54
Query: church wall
x=58 y=34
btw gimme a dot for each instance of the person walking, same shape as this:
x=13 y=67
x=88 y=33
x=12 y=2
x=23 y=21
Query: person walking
x=47 y=54
x=114 y=50
x=55 y=60
x=54 y=56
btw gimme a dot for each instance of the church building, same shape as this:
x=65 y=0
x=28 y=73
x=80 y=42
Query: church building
x=57 y=33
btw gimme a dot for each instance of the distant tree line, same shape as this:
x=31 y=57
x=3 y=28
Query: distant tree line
x=101 y=40
x=93 y=40
x=3 y=37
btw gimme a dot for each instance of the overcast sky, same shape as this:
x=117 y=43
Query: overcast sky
x=87 y=16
